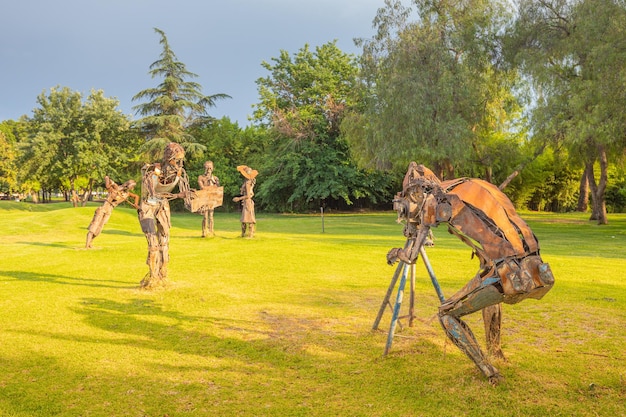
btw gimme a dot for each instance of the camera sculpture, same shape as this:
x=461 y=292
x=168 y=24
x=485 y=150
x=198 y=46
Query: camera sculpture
x=479 y=214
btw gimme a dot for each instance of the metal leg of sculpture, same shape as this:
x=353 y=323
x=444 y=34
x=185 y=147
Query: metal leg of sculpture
x=396 y=310
x=431 y=273
x=211 y=231
x=492 y=318
x=412 y=296
x=90 y=237
x=403 y=267
x=205 y=226
x=460 y=334
x=154 y=265
x=464 y=339
x=386 y=303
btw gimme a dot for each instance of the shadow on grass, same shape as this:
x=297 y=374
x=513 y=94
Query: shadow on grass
x=296 y=362
x=150 y=326
x=50 y=244
x=275 y=339
x=63 y=279
x=121 y=233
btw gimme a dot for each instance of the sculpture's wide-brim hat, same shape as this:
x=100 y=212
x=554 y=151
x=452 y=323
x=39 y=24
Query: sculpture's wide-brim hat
x=247 y=172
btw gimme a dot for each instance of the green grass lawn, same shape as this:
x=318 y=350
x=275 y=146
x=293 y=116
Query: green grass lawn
x=280 y=325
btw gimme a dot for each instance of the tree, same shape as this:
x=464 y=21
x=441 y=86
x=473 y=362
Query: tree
x=68 y=140
x=303 y=102
x=228 y=146
x=434 y=88
x=8 y=168
x=173 y=106
x=575 y=54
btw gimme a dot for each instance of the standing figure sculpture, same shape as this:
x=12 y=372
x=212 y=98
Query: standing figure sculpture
x=158 y=182
x=208 y=182
x=479 y=214
x=117 y=195
x=248 y=218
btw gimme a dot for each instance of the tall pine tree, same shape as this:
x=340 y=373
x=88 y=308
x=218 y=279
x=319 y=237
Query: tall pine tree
x=173 y=106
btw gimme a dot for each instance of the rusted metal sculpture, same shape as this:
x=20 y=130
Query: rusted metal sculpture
x=207 y=198
x=117 y=195
x=248 y=218
x=479 y=214
x=158 y=182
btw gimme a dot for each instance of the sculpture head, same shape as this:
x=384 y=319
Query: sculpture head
x=174 y=154
x=208 y=167
x=247 y=172
x=418 y=183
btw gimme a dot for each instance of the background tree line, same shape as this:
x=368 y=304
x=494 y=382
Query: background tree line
x=528 y=95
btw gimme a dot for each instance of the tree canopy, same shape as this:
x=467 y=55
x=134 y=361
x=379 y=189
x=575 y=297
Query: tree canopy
x=68 y=139
x=528 y=97
x=575 y=54
x=174 y=105
x=434 y=89
x=303 y=102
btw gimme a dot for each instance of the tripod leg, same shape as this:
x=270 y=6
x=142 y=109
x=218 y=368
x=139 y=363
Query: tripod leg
x=412 y=297
x=396 y=310
x=385 y=303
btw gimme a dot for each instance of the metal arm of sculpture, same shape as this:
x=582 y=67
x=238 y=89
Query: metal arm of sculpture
x=481 y=216
x=117 y=194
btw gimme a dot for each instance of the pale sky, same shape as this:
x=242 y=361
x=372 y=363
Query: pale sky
x=109 y=45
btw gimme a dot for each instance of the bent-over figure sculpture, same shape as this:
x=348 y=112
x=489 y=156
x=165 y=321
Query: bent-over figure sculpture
x=158 y=182
x=479 y=214
x=248 y=218
x=117 y=195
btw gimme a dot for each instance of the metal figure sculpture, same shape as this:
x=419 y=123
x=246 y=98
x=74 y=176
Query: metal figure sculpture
x=248 y=218
x=479 y=214
x=158 y=182
x=117 y=195
x=211 y=195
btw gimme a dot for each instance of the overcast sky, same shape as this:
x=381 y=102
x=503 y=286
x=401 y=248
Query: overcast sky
x=110 y=44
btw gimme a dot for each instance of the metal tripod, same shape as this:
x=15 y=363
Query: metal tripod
x=402 y=271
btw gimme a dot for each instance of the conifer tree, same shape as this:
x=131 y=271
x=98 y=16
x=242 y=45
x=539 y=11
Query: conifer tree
x=172 y=106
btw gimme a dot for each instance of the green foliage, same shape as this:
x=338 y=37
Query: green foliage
x=8 y=169
x=228 y=146
x=434 y=92
x=547 y=183
x=173 y=106
x=239 y=333
x=616 y=191
x=68 y=140
x=308 y=164
x=578 y=69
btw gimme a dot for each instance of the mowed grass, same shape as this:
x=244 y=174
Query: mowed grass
x=281 y=325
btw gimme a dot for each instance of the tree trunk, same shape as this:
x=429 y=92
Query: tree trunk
x=598 y=211
x=444 y=170
x=449 y=170
x=583 y=193
x=521 y=166
x=489 y=174
x=438 y=170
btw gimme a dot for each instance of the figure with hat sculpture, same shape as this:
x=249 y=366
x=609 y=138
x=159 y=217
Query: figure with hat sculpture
x=248 y=219
x=159 y=180
x=208 y=197
x=483 y=217
x=117 y=195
